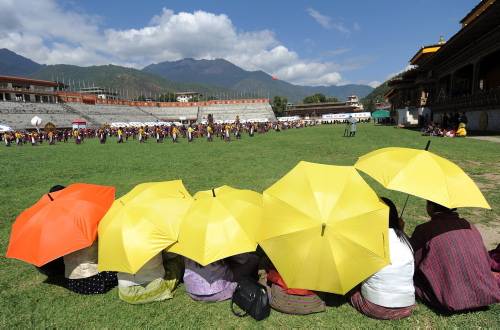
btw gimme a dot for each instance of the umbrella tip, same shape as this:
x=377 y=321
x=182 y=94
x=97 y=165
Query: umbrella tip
x=323 y=227
x=428 y=145
x=213 y=192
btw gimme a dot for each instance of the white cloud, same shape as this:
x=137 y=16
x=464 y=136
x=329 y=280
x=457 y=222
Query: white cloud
x=48 y=33
x=328 y=23
x=323 y=20
x=374 y=83
x=337 y=51
x=394 y=74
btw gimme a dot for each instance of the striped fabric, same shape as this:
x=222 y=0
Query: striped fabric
x=294 y=304
x=452 y=266
x=375 y=311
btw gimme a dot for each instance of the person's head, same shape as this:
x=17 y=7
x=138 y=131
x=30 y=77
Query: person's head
x=55 y=188
x=433 y=208
x=395 y=222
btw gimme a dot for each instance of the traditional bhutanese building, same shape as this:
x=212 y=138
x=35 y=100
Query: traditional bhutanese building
x=461 y=75
x=313 y=110
x=27 y=90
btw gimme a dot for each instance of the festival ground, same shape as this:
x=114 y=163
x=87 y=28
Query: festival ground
x=26 y=300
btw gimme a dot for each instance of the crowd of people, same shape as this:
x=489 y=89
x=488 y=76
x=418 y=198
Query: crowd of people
x=451 y=126
x=144 y=134
x=444 y=264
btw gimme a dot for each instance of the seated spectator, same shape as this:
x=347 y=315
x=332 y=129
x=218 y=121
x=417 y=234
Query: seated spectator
x=54 y=269
x=452 y=266
x=461 y=131
x=389 y=294
x=218 y=280
x=78 y=270
x=284 y=299
x=82 y=276
x=495 y=263
x=155 y=281
x=449 y=133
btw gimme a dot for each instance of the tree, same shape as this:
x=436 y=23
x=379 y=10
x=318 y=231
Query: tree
x=279 y=105
x=319 y=98
x=370 y=105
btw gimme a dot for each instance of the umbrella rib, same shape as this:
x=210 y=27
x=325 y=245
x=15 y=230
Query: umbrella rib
x=402 y=170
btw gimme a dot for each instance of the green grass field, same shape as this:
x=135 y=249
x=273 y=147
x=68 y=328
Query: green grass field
x=26 y=300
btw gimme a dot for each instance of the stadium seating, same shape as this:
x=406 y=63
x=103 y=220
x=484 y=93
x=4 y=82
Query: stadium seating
x=245 y=111
x=18 y=114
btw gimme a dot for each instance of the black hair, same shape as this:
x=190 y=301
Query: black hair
x=394 y=221
x=55 y=188
x=440 y=208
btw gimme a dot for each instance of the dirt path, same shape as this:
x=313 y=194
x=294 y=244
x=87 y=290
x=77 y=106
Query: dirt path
x=486 y=138
x=490 y=232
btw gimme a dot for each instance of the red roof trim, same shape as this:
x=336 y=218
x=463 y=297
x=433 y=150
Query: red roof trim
x=28 y=80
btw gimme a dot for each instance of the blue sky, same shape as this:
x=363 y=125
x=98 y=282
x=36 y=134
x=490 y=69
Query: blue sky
x=306 y=42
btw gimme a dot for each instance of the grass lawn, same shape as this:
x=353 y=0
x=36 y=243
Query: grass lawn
x=26 y=300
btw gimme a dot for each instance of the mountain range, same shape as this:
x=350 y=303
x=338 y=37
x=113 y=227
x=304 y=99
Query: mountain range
x=209 y=77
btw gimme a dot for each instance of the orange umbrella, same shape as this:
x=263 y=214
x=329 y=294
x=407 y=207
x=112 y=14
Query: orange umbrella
x=59 y=223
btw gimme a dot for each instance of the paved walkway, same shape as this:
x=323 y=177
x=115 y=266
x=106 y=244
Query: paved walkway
x=486 y=138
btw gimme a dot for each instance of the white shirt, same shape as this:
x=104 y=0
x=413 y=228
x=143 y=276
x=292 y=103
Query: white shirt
x=152 y=270
x=392 y=286
x=81 y=263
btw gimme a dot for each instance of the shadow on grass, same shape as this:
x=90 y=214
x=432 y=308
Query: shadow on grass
x=450 y=313
x=56 y=281
x=333 y=300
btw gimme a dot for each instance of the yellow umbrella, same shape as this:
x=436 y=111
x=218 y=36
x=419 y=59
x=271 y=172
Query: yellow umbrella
x=141 y=224
x=324 y=228
x=220 y=223
x=423 y=174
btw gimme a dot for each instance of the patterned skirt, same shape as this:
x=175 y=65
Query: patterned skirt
x=294 y=304
x=97 y=284
x=376 y=311
x=157 y=290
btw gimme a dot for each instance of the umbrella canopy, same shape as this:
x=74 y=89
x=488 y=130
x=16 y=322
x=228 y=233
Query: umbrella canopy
x=141 y=224
x=381 y=114
x=219 y=224
x=324 y=228
x=423 y=174
x=59 y=223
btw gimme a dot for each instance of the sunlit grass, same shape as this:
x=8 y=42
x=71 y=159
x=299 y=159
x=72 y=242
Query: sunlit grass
x=254 y=163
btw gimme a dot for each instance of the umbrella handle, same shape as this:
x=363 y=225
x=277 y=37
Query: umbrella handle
x=428 y=145
x=213 y=192
x=404 y=206
x=51 y=198
x=408 y=196
x=323 y=227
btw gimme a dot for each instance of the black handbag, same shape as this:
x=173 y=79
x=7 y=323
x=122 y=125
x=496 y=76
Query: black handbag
x=252 y=298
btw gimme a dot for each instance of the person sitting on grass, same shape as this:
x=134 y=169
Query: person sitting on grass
x=461 y=131
x=82 y=276
x=285 y=299
x=218 y=280
x=389 y=294
x=155 y=281
x=452 y=266
x=78 y=270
